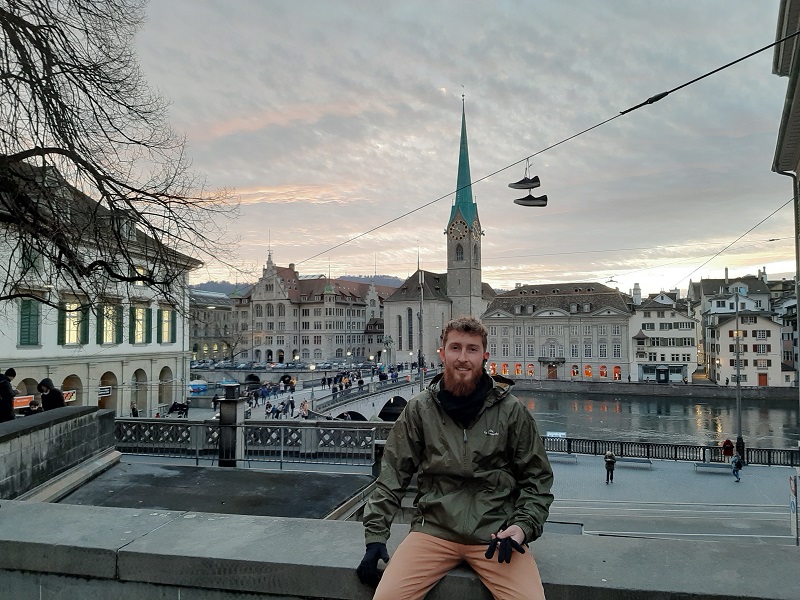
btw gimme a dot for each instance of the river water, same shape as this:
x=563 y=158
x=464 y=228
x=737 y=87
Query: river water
x=673 y=420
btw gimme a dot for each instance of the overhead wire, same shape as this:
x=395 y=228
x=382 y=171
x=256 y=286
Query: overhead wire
x=650 y=100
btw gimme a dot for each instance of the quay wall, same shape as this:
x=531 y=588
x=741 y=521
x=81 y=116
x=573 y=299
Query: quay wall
x=74 y=552
x=36 y=448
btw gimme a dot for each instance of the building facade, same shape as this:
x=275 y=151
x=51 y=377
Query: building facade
x=573 y=331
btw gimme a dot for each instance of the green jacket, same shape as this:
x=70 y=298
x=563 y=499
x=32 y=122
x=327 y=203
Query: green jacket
x=472 y=482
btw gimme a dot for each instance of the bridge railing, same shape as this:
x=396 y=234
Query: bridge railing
x=302 y=442
x=353 y=443
x=331 y=401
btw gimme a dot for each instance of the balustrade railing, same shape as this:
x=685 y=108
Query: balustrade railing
x=353 y=443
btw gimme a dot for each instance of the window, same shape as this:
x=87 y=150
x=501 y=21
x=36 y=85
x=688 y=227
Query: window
x=646 y=314
x=492 y=330
x=410 y=319
x=140 y=325
x=573 y=350
x=73 y=324
x=505 y=349
x=587 y=351
x=281 y=310
x=279 y=340
x=616 y=350
x=652 y=356
x=648 y=326
x=761 y=334
x=660 y=314
x=551 y=330
x=587 y=330
x=459 y=253
x=573 y=330
x=615 y=330
x=601 y=330
x=720 y=303
x=551 y=350
x=762 y=348
x=674 y=357
x=573 y=308
x=29 y=312
x=505 y=331
x=167 y=325
x=531 y=349
x=763 y=363
x=109 y=324
x=259 y=310
x=587 y=307
x=575 y=370
x=530 y=329
x=602 y=351
x=518 y=349
x=665 y=326
x=749 y=320
x=518 y=330
x=493 y=349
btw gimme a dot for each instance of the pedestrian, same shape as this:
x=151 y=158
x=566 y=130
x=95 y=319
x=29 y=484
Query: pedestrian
x=7 y=394
x=304 y=409
x=495 y=502
x=214 y=402
x=267 y=410
x=134 y=409
x=727 y=449
x=629 y=378
x=610 y=460
x=737 y=463
x=34 y=408
x=726 y=382
x=51 y=395
x=290 y=406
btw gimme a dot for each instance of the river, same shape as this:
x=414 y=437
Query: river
x=673 y=420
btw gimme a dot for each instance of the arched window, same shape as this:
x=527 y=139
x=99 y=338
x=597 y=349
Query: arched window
x=317 y=354
x=517 y=369
x=530 y=369
x=505 y=369
x=281 y=310
x=575 y=371
x=270 y=310
x=339 y=353
x=617 y=373
x=459 y=253
x=603 y=371
x=475 y=254
x=259 y=310
x=492 y=369
x=399 y=332
x=587 y=371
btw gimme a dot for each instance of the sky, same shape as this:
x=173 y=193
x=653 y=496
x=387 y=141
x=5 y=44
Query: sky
x=333 y=120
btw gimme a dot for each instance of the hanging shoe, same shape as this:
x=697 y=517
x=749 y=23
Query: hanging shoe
x=526 y=183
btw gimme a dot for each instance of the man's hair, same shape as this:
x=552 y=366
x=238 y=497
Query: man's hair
x=469 y=325
x=10 y=373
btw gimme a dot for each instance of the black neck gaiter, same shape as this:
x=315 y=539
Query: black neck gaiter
x=463 y=409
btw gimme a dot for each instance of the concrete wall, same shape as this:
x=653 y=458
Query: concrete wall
x=73 y=552
x=36 y=448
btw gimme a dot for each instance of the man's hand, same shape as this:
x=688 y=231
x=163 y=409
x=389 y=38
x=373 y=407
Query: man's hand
x=505 y=542
x=368 y=571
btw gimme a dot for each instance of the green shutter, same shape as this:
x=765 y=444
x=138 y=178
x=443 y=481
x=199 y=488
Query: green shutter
x=62 y=324
x=173 y=326
x=159 y=333
x=84 y=326
x=132 y=325
x=29 y=323
x=101 y=313
x=148 y=325
x=118 y=323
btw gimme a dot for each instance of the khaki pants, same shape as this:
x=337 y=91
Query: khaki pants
x=422 y=560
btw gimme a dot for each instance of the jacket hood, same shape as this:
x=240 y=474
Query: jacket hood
x=45 y=382
x=501 y=387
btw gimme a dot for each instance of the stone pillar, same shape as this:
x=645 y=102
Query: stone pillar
x=231 y=430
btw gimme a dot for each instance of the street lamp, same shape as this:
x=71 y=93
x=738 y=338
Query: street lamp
x=311 y=368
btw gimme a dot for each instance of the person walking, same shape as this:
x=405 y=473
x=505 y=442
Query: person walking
x=727 y=450
x=51 y=395
x=483 y=477
x=7 y=394
x=610 y=461
x=736 y=463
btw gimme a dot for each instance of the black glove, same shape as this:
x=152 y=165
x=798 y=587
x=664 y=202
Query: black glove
x=504 y=547
x=368 y=571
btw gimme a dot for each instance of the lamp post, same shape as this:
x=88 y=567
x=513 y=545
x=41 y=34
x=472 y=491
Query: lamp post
x=388 y=341
x=311 y=368
x=737 y=334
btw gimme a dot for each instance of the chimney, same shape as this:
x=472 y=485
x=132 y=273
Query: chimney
x=637 y=294
x=291 y=266
x=764 y=271
x=726 y=275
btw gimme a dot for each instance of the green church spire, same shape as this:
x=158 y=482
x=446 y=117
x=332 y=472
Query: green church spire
x=464 y=201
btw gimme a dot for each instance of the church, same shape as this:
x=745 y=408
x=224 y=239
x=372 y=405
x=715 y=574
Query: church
x=415 y=314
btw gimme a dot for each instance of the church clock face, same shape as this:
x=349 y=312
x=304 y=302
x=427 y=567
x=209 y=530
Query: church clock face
x=458 y=230
x=476 y=231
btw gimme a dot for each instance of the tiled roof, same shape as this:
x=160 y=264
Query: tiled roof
x=560 y=296
x=435 y=288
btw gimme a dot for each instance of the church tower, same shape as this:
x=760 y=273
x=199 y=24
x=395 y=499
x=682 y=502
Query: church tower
x=464 y=285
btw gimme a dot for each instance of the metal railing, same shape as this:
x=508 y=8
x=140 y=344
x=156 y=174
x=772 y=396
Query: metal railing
x=300 y=442
x=353 y=443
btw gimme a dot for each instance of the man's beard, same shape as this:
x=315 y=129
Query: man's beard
x=458 y=386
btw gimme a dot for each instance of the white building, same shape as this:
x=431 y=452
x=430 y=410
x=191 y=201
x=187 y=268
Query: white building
x=131 y=347
x=664 y=341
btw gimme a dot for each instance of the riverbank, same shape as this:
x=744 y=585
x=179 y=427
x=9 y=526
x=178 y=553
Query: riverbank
x=688 y=390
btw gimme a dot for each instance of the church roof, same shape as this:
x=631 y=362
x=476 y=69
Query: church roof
x=464 y=202
x=435 y=288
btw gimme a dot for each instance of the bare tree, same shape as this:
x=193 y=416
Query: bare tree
x=96 y=194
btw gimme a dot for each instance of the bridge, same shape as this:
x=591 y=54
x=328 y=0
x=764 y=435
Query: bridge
x=382 y=400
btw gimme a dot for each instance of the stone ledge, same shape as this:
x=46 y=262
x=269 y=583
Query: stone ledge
x=289 y=558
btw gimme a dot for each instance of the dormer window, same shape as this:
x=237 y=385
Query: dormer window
x=573 y=308
x=587 y=307
x=518 y=309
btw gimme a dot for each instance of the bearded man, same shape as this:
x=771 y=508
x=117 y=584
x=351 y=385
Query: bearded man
x=483 y=477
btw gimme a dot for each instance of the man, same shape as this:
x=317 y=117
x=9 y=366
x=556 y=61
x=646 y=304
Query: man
x=483 y=477
x=7 y=394
x=51 y=395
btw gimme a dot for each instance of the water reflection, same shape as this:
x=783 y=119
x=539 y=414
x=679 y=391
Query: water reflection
x=675 y=420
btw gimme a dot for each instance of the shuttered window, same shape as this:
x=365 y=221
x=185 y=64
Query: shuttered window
x=29 y=322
